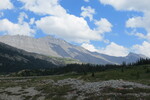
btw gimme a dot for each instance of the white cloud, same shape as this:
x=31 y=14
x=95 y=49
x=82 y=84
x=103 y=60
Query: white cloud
x=114 y=49
x=140 y=35
x=10 y=28
x=69 y=27
x=87 y=0
x=59 y=23
x=144 y=48
x=134 y=22
x=45 y=7
x=73 y=28
x=89 y=47
x=87 y=12
x=131 y=5
x=20 y=28
x=140 y=22
x=103 y=25
x=21 y=17
x=32 y=21
x=5 y=4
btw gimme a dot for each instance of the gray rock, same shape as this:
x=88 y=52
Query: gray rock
x=94 y=87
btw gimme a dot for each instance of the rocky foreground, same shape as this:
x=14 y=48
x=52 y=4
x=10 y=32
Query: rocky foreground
x=71 y=89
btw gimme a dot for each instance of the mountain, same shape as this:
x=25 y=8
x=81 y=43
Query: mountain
x=130 y=58
x=13 y=59
x=51 y=46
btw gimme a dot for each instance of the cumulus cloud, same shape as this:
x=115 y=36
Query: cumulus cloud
x=73 y=28
x=89 y=47
x=10 y=28
x=32 y=21
x=44 y=7
x=142 y=49
x=114 y=49
x=134 y=22
x=60 y=23
x=140 y=22
x=103 y=25
x=87 y=12
x=5 y=4
x=140 y=35
x=21 y=17
x=131 y=5
x=69 y=27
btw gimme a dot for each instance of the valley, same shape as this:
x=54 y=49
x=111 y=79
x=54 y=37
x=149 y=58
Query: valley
x=30 y=75
x=109 y=84
x=74 y=49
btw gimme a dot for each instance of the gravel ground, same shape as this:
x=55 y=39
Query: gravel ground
x=80 y=89
x=18 y=93
x=91 y=87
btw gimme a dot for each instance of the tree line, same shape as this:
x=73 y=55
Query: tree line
x=81 y=69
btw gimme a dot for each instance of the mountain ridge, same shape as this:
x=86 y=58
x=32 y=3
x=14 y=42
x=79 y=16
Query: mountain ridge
x=51 y=46
x=13 y=59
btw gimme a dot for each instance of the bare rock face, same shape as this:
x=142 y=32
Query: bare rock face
x=59 y=48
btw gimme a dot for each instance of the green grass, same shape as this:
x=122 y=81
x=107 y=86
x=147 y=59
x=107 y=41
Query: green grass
x=136 y=74
x=66 y=60
x=53 y=92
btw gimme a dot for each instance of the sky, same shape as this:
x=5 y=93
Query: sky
x=112 y=27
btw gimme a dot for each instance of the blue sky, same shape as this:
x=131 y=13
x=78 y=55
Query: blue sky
x=113 y=27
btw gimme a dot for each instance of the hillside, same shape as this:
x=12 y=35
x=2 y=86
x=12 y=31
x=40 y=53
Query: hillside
x=51 y=46
x=13 y=59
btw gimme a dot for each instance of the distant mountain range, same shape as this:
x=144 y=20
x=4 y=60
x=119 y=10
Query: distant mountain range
x=50 y=46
